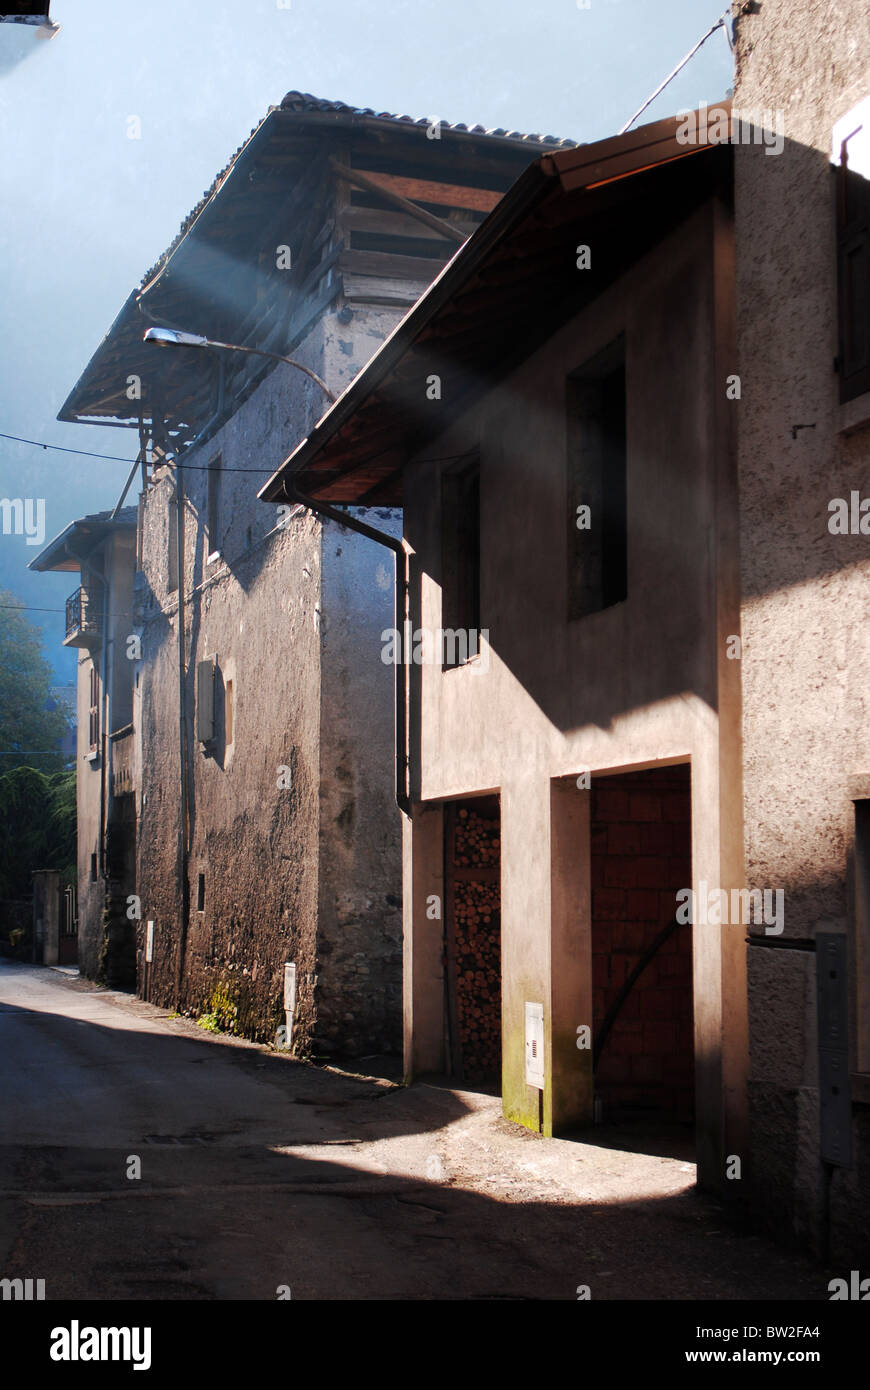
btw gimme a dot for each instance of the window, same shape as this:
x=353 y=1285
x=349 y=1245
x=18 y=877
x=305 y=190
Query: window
x=212 y=546
x=596 y=459
x=460 y=562
x=172 y=550
x=93 y=868
x=200 y=893
x=94 y=710
x=205 y=671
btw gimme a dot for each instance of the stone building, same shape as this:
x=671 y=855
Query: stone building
x=803 y=307
x=101 y=549
x=268 y=830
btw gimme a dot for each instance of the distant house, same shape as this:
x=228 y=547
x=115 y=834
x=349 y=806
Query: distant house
x=268 y=835
x=99 y=623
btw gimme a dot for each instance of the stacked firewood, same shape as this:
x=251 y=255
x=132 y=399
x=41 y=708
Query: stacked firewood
x=477 y=842
x=478 y=947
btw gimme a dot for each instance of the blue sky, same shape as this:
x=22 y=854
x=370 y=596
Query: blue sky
x=85 y=211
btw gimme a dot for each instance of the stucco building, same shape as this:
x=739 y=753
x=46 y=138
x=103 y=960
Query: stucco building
x=652 y=680
x=268 y=831
x=101 y=548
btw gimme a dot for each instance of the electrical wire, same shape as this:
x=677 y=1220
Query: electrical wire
x=720 y=24
x=188 y=467
x=116 y=458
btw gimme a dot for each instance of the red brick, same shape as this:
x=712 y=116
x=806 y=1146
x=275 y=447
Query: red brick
x=631 y=1009
x=608 y=904
x=675 y=806
x=646 y=1068
x=624 y=837
x=645 y=806
x=659 y=1037
x=657 y=837
x=610 y=804
x=620 y=872
x=623 y=1044
x=642 y=905
x=657 y=1004
x=620 y=966
x=636 y=939
x=652 y=872
x=650 y=977
x=679 y=872
x=613 y=1068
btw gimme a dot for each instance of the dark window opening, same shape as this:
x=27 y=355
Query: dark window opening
x=93 y=868
x=460 y=568
x=597 y=509
x=853 y=281
x=172 y=557
x=200 y=893
x=94 y=710
x=214 y=490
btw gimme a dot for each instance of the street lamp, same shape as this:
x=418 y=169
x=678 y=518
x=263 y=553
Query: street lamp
x=174 y=337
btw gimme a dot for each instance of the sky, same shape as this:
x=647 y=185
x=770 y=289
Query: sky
x=85 y=210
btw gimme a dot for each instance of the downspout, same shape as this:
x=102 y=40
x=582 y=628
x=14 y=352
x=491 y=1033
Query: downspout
x=184 y=799
x=105 y=714
x=400 y=618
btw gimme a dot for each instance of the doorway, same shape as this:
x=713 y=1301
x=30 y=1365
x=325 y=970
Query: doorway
x=472 y=939
x=642 y=987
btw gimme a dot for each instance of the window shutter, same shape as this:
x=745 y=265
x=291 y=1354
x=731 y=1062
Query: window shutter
x=853 y=275
x=205 y=700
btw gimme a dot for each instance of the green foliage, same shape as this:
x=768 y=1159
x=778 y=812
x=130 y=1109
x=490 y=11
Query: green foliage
x=221 y=1012
x=25 y=686
x=37 y=828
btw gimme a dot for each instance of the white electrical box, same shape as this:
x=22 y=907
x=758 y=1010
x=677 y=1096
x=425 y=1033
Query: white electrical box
x=149 y=943
x=535 y=1045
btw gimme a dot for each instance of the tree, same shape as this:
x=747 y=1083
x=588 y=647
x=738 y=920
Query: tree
x=28 y=731
x=37 y=828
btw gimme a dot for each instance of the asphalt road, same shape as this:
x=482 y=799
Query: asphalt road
x=141 y=1157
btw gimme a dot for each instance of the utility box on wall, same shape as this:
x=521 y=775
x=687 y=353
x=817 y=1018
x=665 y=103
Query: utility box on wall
x=535 y=1045
x=289 y=1000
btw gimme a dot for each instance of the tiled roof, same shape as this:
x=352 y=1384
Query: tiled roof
x=304 y=101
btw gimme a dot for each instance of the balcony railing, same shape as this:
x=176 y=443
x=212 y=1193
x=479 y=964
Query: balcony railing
x=84 y=619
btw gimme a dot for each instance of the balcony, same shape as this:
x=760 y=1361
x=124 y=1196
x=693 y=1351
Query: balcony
x=84 y=619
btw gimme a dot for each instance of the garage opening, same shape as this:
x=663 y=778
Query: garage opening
x=643 y=1024
x=472 y=939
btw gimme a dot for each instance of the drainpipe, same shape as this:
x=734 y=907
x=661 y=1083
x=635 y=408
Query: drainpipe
x=184 y=799
x=105 y=713
x=400 y=618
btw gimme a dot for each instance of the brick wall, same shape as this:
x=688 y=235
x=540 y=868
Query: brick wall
x=641 y=856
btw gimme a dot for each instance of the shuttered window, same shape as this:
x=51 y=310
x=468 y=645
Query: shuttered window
x=596 y=471
x=853 y=274
x=94 y=710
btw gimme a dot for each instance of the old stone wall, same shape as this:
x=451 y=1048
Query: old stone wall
x=301 y=699
x=806 y=663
